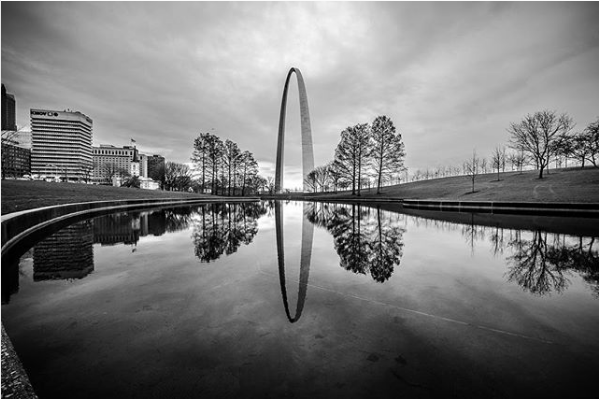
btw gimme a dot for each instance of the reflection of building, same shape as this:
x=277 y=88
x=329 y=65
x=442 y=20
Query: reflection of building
x=66 y=254
x=61 y=144
x=128 y=228
x=118 y=228
x=9 y=110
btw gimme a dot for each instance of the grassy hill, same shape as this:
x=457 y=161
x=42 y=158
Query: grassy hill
x=18 y=195
x=560 y=185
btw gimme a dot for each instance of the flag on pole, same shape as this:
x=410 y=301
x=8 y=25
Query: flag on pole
x=133 y=141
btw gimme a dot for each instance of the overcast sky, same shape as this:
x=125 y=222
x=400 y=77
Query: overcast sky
x=451 y=76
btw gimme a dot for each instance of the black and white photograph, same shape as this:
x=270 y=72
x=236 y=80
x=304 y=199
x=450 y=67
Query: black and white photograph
x=300 y=199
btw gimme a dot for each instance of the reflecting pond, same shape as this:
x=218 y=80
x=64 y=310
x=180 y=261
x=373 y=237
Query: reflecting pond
x=308 y=300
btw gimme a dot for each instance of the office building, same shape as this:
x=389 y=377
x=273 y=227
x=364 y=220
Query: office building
x=111 y=162
x=16 y=147
x=16 y=160
x=9 y=110
x=61 y=144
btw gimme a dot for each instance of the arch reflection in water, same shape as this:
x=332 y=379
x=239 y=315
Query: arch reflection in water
x=305 y=259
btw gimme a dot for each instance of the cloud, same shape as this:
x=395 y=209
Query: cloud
x=450 y=75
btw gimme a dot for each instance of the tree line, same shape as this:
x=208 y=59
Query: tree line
x=224 y=168
x=538 y=140
x=364 y=151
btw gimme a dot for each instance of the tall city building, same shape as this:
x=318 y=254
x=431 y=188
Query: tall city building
x=16 y=152
x=61 y=144
x=9 y=110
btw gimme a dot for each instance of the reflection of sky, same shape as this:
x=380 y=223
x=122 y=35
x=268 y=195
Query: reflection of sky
x=266 y=223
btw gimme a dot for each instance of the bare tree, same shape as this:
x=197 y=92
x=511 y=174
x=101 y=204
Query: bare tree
x=536 y=135
x=200 y=155
x=110 y=170
x=310 y=181
x=352 y=153
x=231 y=158
x=215 y=151
x=387 y=149
x=498 y=159
x=591 y=134
x=248 y=170
x=472 y=167
x=177 y=177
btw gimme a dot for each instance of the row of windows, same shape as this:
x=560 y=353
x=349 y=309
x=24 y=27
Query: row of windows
x=58 y=158
x=62 y=141
x=72 y=125
x=58 y=122
x=65 y=143
x=55 y=133
x=113 y=152
x=56 y=130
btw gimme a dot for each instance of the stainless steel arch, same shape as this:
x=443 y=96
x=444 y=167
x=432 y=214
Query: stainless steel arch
x=307 y=150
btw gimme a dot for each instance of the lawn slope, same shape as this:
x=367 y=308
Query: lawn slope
x=560 y=185
x=18 y=195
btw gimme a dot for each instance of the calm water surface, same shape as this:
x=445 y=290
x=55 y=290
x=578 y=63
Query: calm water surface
x=308 y=300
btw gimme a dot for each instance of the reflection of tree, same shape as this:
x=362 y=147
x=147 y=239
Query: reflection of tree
x=365 y=243
x=536 y=267
x=497 y=240
x=583 y=257
x=472 y=233
x=386 y=248
x=221 y=228
x=352 y=243
x=540 y=262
